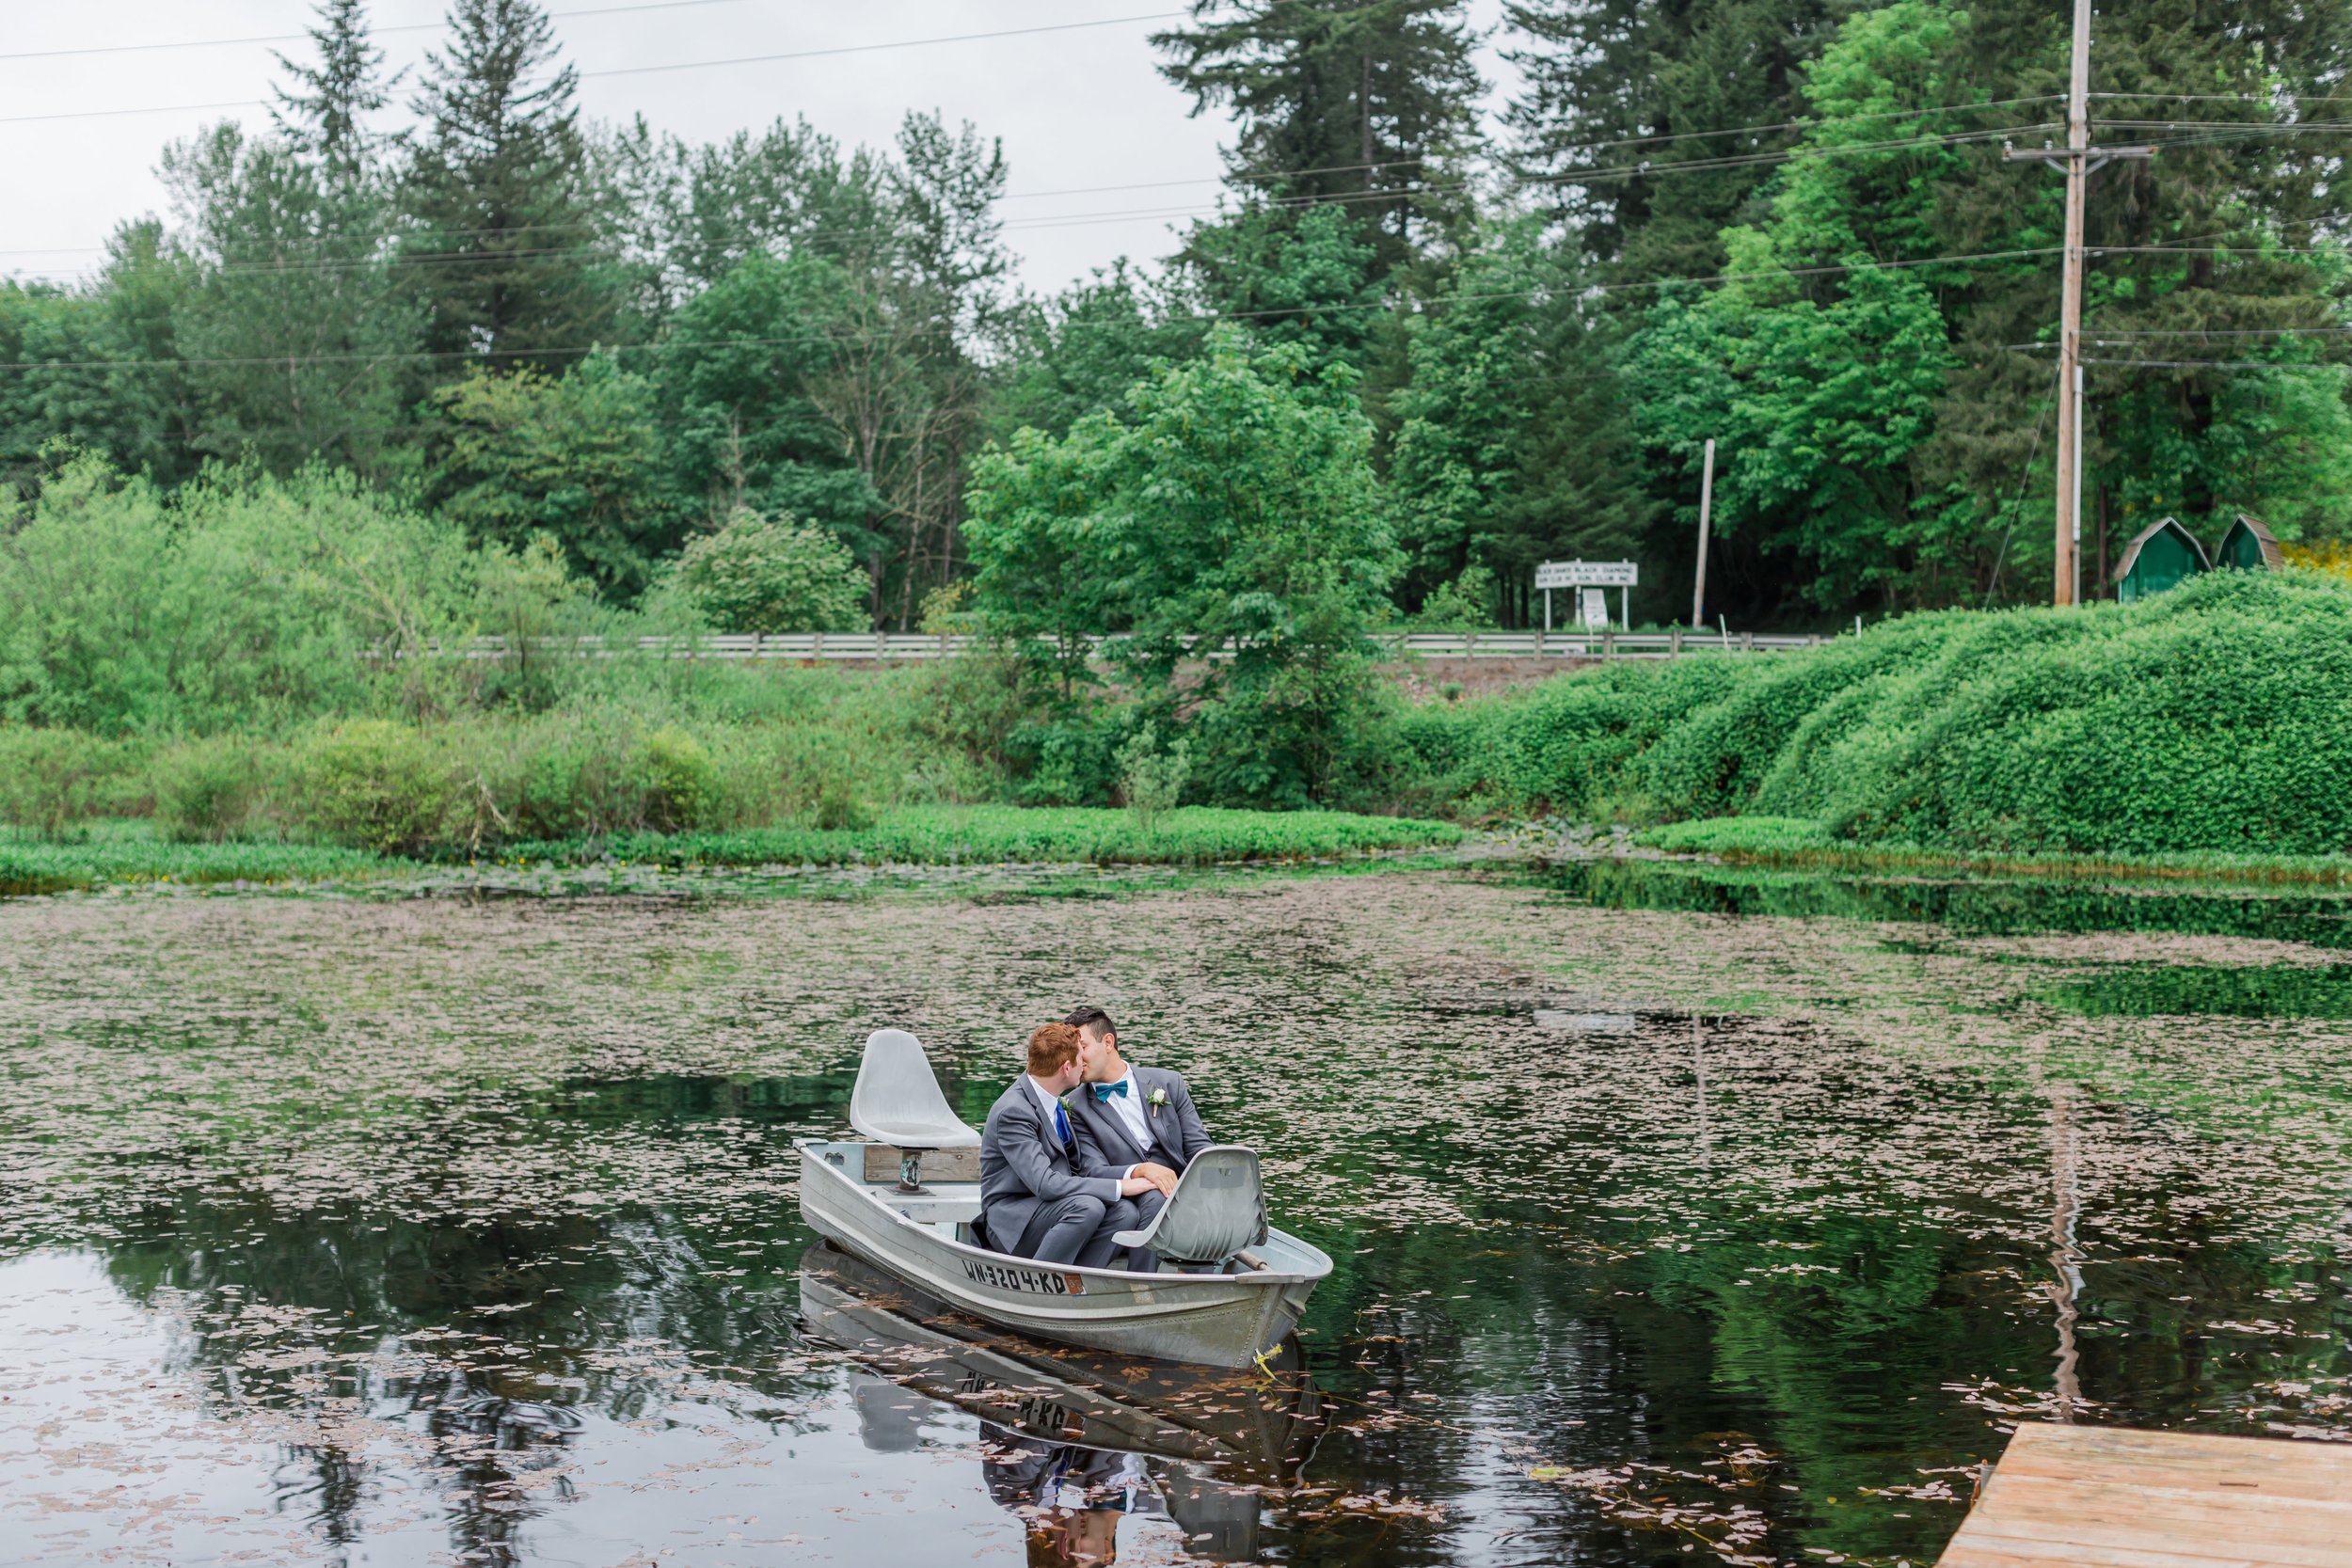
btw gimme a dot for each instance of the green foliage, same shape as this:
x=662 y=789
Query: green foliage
x=1307 y=279
x=1466 y=603
x=1350 y=104
x=773 y=575
x=51 y=779
x=1608 y=81
x=1077 y=353
x=1151 y=779
x=130 y=853
x=747 y=376
x=215 y=788
x=2210 y=718
x=296 y=343
x=1738 y=835
x=575 y=458
x=1512 y=444
x=507 y=249
x=1193 y=835
x=94 y=368
x=1233 y=507
x=239 y=600
x=1820 y=389
x=377 y=785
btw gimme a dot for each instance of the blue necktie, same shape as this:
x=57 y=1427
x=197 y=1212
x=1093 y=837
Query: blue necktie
x=1102 y=1092
x=1061 y=1124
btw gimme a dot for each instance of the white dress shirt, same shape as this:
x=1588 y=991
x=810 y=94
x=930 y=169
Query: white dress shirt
x=1130 y=1109
x=1052 y=1105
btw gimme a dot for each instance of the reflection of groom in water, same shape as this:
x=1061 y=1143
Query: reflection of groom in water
x=1031 y=1477
x=1038 y=1199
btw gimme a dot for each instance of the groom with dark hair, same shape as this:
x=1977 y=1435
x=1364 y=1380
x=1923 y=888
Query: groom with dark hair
x=1130 y=1119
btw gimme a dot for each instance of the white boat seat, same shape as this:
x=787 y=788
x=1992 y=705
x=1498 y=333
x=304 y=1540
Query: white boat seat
x=1217 y=1209
x=897 y=1099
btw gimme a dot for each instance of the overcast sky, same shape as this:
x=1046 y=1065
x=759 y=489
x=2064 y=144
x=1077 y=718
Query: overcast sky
x=1077 y=109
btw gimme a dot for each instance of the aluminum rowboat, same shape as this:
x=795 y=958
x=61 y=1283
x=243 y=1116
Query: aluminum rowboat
x=1209 y=1320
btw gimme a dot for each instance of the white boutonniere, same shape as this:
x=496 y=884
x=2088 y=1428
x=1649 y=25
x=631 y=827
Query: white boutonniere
x=1156 y=1099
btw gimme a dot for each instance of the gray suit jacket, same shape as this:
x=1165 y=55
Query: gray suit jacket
x=1105 y=1148
x=1023 y=1163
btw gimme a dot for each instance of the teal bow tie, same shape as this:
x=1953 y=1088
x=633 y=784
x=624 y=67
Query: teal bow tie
x=1102 y=1092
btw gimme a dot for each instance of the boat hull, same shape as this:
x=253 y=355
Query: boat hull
x=1203 y=1320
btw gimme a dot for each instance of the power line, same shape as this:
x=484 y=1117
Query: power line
x=2223 y=365
x=866 y=48
x=373 y=32
x=1131 y=215
x=2277 y=100
x=644 y=70
x=2000 y=555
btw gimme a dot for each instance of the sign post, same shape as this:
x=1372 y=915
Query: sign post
x=1707 y=505
x=1622 y=576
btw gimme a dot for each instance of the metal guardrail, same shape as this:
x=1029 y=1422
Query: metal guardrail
x=873 y=647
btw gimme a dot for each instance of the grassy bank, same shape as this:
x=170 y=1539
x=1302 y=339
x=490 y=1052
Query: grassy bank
x=949 y=835
x=1796 y=843
x=2214 y=721
x=131 y=853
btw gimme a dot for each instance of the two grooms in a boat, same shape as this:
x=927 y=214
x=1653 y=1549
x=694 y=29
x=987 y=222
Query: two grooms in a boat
x=1125 y=1113
x=1039 y=1195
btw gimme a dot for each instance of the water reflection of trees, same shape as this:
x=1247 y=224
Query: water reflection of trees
x=1854 y=1331
x=472 y=1351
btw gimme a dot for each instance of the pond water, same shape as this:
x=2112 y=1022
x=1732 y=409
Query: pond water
x=1679 y=1216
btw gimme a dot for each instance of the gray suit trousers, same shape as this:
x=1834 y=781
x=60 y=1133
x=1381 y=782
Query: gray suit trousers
x=1079 y=1230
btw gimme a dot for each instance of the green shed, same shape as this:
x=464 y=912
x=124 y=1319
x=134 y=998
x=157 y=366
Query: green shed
x=2248 y=547
x=2158 y=557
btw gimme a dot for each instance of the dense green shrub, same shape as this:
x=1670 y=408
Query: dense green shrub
x=2214 y=717
x=51 y=779
x=216 y=788
x=237 y=602
x=375 y=784
x=773 y=575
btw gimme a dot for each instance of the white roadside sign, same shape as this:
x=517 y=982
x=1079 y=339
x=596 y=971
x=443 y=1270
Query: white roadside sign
x=1587 y=574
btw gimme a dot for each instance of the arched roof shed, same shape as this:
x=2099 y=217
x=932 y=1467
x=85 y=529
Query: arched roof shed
x=2158 y=557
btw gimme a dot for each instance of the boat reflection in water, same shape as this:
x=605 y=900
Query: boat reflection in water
x=1073 y=1439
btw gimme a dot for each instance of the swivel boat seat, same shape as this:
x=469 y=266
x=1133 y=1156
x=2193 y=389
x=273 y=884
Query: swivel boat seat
x=897 y=1101
x=1216 y=1211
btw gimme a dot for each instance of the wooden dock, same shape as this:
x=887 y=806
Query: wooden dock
x=2110 y=1496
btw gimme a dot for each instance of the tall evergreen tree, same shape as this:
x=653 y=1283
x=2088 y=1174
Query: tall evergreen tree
x=508 y=259
x=1617 y=93
x=298 y=335
x=324 y=113
x=1361 y=104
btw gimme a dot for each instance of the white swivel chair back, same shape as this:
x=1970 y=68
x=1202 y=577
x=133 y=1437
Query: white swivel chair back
x=897 y=1099
x=1217 y=1209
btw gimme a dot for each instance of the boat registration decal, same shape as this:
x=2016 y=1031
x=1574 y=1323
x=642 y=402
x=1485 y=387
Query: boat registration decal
x=1035 y=1281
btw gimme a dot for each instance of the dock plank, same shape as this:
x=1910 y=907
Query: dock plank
x=2114 y=1497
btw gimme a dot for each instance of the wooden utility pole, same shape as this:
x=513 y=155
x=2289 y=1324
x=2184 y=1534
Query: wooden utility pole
x=1706 y=503
x=2079 y=159
x=2070 y=430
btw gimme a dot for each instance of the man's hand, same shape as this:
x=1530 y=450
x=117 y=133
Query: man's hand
x=1158 y=1176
